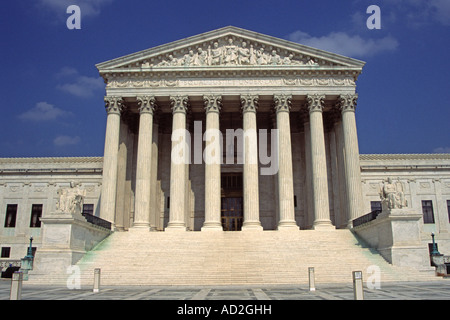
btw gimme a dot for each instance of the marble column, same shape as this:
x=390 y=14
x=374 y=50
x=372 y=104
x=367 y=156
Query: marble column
x=144 y=162
x=154 y=184
x=114 y=107
x=319 y=177
x=121 y=175
x=212 y=158
x=308 y=207
x=282 y=105
x=341 y=174
x=249 y=105
x=178 y=167
x=347 y=104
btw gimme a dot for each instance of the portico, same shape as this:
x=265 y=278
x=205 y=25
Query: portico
x=298 y=100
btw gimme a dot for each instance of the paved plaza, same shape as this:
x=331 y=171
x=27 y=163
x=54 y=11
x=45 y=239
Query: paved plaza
x=436 y=290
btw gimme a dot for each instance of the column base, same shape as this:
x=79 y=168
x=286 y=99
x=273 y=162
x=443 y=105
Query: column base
x=287 y=226
x=212 y=226
x=252 y=226
x=176 y=227
x=140 y=228
x=140 y=225
x=323 y=225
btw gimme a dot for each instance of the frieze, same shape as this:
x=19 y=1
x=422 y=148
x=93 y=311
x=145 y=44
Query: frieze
x=233 y=82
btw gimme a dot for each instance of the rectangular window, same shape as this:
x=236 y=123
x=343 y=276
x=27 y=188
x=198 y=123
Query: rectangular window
x=36 y=214
x=375 y=206
x=88 y=208
x=11 y=214
x=6 y=251
x=427 y=210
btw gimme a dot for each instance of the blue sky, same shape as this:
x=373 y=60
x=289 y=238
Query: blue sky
x=52 y=95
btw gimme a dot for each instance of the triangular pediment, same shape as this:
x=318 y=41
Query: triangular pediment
x=229 y=48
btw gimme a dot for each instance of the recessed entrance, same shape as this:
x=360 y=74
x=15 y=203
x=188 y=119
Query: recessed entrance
x=232 y=214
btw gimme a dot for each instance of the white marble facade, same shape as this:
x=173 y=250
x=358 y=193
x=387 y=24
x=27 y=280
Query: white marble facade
x=228 y=78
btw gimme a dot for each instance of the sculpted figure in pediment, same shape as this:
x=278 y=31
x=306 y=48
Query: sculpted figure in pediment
x=200 y=58
x=244 y=54
x=275 y=58
x=261 y=57
x=215 y=55
x=188 y=58
x=231 y=53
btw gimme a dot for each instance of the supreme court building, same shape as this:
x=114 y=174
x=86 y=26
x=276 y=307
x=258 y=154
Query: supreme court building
x=231 y=79
x=229 y=130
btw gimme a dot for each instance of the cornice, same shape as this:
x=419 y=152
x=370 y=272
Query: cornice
x=406 y=156
x=25 y=160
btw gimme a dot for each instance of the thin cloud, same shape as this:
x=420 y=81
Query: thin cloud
x=66 y=72
x=87 y=7
x=80 y=86
x=83 y=87
x=43 y=111
x=441 y=11
x=345 y=44
x=417 y=13
x=442 y=150
x=62 y=140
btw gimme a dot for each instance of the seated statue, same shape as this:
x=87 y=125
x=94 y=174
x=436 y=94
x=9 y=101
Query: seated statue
x=392 y=195
x=70 y=199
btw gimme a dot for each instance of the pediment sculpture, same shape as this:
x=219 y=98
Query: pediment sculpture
x=70 y=199
x=392 y=195
x=229 y=53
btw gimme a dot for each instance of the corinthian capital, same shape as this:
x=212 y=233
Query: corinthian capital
x=147 y=104
x=347 y=102
x=212 y=103
x=114 y=104
x=179 y=104
x=249 y=103
x=315 y=102
x=282 y=102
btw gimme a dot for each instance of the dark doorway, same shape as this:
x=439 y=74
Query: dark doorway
x=232 y=203
x=232 y=215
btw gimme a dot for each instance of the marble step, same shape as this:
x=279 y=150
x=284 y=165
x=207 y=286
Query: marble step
x=201 y=258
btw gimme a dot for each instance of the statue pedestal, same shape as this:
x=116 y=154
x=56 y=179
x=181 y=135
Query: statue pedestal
x=66 y=237
x=395 y=233
x=399 y=238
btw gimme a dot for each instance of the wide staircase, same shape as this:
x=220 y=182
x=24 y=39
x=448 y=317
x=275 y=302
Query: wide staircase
x=234 y=258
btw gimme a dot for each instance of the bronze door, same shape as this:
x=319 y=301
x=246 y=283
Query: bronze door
x=232 y=213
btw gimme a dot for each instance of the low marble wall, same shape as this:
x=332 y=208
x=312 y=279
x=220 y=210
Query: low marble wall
x=66 y=237
x=395 y=234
